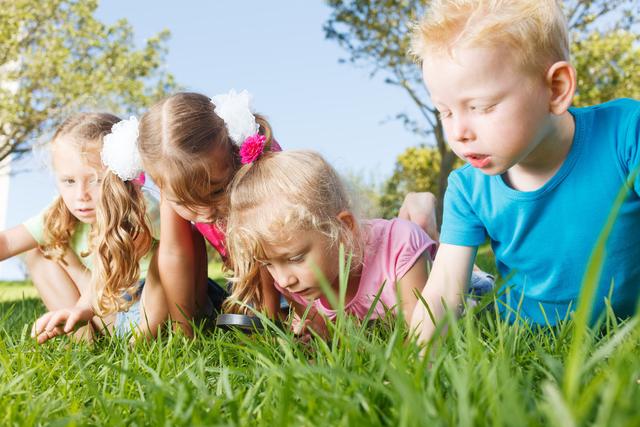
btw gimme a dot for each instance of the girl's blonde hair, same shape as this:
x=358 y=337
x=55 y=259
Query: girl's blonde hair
x=273 y=199
x=534 y=30
x=179 y=137
x=121 y=234
x=120 y=239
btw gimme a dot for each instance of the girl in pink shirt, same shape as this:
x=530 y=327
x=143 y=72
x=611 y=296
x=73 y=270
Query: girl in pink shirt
x=289 y=213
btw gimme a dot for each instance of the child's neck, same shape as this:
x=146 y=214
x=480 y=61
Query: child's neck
x=546 y=159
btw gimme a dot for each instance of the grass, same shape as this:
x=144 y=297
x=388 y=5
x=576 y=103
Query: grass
x=485 y=372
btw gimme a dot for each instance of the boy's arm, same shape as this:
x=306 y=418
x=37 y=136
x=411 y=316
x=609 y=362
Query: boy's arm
x=446 y=285
x=16 y=240
x=413 y=281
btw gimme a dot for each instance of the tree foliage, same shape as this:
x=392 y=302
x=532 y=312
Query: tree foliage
x=57 y=58
x=375 y=33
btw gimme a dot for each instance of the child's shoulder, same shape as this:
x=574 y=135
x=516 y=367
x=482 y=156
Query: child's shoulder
x=618 y=109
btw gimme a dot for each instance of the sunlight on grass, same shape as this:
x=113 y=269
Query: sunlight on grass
x=12 y=291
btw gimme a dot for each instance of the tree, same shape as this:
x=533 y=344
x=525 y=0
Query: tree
x=57 y=58
x=375 y=33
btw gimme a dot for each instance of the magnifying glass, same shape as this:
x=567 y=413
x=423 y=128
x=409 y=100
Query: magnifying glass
x=248 y=324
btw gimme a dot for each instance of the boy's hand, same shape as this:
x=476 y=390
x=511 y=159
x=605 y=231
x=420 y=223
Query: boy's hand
x=420 y=208
x=60 y=322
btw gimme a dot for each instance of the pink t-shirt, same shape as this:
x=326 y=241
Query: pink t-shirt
x=215 y=235
x=392 y=248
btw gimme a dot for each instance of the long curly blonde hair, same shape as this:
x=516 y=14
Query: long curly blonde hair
x=276 y=197
x=119 y=240
x=120 y=236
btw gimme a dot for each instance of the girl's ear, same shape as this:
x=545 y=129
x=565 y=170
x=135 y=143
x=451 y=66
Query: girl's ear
x=348 y=220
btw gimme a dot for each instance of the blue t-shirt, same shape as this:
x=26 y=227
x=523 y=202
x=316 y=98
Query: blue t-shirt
x=543 y=239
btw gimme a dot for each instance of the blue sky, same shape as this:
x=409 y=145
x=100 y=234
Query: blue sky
x=278 y=52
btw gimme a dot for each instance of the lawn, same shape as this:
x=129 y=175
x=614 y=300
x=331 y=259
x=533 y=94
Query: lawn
x=485 y=372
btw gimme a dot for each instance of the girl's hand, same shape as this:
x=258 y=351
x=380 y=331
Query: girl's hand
x=314 y=322
x=60 y=322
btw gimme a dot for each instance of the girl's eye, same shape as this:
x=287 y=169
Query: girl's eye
x=297 y=258
x=69 y=181
x=217 y=192
x=444 y=114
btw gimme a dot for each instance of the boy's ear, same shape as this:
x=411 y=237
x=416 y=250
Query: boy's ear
x=348 y=220
x=561 y=80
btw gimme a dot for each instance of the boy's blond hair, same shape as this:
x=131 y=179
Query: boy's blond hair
x=535 y=31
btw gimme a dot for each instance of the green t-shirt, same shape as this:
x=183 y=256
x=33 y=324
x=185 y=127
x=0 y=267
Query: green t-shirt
x=79 y=242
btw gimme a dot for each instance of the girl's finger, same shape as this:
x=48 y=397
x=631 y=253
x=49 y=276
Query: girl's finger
x=72 y=322
x=46 y=336
x=40 y=324
x=57 y=319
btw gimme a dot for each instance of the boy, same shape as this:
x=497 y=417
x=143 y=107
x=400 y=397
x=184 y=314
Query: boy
x=541 y=177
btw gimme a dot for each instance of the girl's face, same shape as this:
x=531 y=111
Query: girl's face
x=221 y=173
x=78 y=182
x=294 y=263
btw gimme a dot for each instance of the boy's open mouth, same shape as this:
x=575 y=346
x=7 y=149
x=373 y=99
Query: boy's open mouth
x=478 y=160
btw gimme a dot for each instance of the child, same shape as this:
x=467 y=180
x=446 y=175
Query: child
x=289 y=212
x=98 y=222
x=542 y=177
x=189 y=144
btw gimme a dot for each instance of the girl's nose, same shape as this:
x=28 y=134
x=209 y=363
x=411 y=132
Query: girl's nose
x=83 y=192
x=285 y=278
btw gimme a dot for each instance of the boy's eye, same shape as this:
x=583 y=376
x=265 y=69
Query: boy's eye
x=444 y=114
x=482 y=108
x=69 y=181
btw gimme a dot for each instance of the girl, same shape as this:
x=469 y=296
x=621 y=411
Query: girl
x=89 y=249
x=189 y=145
x=309 y=216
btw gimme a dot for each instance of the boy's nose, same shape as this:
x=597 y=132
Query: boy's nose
x=461 y=130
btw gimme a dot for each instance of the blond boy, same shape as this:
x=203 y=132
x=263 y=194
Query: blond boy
x=541 y=176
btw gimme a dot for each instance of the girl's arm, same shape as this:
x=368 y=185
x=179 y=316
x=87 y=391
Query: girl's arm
x=445 y=286
x=177 y=265
x=16 y=240
x=63 y=321
x=78 y=273
x=270 y=295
